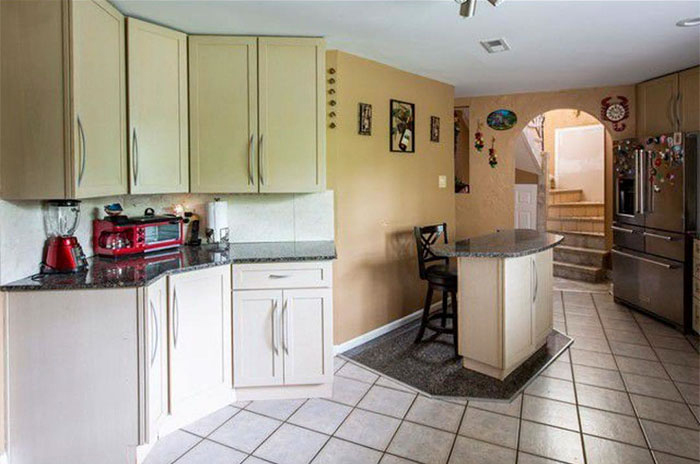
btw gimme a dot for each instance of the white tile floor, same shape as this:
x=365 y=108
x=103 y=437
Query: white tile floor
x=627 y=393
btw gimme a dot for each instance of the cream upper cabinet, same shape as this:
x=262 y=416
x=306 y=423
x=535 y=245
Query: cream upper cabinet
x=199 y=327
x=158 y=138
x=656 y=101
x=291 y=145
x=223 y=85
x=689 y=101
x=69 y=139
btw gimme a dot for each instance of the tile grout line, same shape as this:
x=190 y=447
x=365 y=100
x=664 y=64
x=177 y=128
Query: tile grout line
x=629 y=396
x=573 y=382
x=459 y=427
x=393 y=436
x=520 y=427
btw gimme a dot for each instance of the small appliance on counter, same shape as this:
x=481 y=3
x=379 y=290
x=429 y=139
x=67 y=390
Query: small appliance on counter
x=118 y=235
x=62 y=252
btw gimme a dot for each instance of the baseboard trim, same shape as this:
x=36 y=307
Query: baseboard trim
x=379 y=331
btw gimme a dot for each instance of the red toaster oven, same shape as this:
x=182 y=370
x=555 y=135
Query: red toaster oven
x=123 y=235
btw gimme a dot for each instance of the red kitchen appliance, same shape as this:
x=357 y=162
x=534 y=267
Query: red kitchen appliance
x=62 y=252
x=123 y=235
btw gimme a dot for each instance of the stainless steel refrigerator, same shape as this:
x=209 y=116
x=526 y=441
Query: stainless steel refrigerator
x=654 y=223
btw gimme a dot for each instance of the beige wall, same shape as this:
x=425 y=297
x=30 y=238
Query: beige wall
x=380 y=196
x=490 y=205
x=525 y=177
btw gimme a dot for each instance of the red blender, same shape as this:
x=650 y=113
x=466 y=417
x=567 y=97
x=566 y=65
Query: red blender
x=62 y=252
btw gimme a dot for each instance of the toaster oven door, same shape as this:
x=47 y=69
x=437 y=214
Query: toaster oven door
x=162 y=234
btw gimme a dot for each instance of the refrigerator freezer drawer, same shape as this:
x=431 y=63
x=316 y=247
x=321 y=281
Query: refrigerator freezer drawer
x=628 y=236
x=651 y=283
x=667 y=244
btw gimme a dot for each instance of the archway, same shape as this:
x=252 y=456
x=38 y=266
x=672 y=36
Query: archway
x=562 y=157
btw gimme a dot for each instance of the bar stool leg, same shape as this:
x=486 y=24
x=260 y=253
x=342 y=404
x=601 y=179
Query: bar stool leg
x=443 y=320
x=426 y=314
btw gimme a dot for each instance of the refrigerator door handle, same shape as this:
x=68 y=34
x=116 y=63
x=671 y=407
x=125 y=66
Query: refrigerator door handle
x=646 y=260
x=643 y=181
x=637 y=170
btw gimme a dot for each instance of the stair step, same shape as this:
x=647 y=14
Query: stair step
x=579 y=203
x=582 y=256
x=565 y=195
x=577 y=224
x=578 y=218
x=581 y=239
x=576 y=209
x=578 y=272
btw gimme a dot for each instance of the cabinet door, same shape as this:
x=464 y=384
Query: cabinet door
x=291 y=146
x=307 y=336
x=199 y=306
x=157 y=63
x=656 y=106
x=156 y=317
x=689 y=88
x=223 y=114
x=517 y=308
x=542 y=291
x=257 y=338
x=99 y=100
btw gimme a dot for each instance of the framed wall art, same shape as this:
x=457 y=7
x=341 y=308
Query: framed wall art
x=402 y=116
x=434 y=129
x=365 y=119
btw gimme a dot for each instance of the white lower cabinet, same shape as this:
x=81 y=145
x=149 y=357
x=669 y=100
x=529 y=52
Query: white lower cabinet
x=199 y=336
x=282 y=335
x=156 y=354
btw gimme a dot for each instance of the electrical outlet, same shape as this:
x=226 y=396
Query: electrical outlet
x=442 y=182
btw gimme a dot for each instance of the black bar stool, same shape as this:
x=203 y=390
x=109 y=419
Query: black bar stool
x=440 y=277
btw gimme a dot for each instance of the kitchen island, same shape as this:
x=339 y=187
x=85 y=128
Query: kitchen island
x=504 y=297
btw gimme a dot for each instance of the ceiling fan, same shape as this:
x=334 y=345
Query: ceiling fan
x=467 y=8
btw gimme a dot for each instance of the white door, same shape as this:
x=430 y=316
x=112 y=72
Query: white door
x=257 y=338
x=306 y=320
x=156 y=356
x=579 y=154
x=200 y=335
x=525 y=206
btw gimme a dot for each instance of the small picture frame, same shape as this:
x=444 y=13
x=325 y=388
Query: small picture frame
x=434 y=129
x=365 y=119
x=402 y=117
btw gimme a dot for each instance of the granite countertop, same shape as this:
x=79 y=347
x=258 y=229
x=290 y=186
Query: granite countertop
x=141 y=270
x=503 y=244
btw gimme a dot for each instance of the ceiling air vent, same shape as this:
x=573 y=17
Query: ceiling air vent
x=495 y=45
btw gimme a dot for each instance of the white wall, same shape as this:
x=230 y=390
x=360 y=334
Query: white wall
x=580 y=160
x=252 y=218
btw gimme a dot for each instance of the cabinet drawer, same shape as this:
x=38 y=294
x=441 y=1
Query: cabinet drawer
x=282 y=275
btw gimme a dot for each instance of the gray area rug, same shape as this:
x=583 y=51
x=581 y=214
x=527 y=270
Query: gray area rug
x=432 y=368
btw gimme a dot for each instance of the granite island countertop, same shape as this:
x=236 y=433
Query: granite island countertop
x=503 y=244
x=142 y=270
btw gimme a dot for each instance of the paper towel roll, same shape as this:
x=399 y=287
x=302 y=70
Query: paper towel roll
x=217 y=219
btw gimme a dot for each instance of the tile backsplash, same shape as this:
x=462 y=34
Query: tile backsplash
x=252 y=218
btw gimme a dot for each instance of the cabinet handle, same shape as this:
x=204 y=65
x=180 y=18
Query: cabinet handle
x=176 y=319
x=679 y=114
x=135 y=156
x=275 y=335
x=278 y=276
x=285 y=322
x=250 y=160
x=83 y=150
x=533 y=279
x=154 y=330
x=261 y=163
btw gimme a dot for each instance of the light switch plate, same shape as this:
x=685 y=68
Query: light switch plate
x=442 y=182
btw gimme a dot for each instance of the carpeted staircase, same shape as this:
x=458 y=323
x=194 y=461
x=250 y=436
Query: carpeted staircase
x=582 y=255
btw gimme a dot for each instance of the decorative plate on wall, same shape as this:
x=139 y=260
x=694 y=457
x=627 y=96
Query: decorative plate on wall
x=501 y=120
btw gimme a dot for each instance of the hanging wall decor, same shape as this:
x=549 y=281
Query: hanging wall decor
x=402 y=116
x=493 y=161
x=479 y=137
x=434 y=129
x=615 y=110
x=365 y=122
x=501 y=120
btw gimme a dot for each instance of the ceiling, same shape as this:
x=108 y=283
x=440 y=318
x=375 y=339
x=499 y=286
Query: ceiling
x=556 y=44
